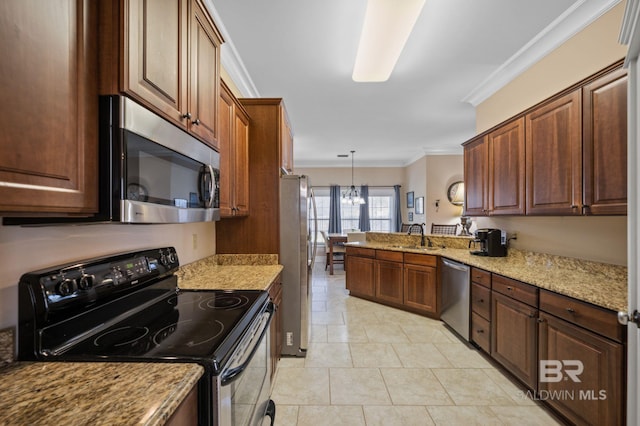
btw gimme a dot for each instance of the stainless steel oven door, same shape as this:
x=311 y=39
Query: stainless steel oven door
x=244 y=386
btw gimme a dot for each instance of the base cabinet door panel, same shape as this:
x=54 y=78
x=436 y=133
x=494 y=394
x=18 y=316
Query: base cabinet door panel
x=420 y=288
x=514 y=337
x=388 y=276
x=360 y=275
x=594 y=395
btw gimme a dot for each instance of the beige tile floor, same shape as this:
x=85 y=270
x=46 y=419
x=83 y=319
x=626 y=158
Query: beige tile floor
x=370 y=364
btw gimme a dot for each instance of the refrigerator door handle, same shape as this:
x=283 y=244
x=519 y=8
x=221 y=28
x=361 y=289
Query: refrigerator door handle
x=315 y=227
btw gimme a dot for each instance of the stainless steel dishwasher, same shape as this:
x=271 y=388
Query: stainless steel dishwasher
x=456 y=296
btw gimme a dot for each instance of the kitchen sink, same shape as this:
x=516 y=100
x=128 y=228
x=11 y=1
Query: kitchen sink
x=425 y=248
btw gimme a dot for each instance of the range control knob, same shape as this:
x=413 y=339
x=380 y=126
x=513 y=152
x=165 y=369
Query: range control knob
x=172 y=257
x=86 y=281
x=67 y=287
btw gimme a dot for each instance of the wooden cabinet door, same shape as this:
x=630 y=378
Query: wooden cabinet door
x=241 y=162
x=155 y=55
x=514 y=337
x=225 y=148
x=359 y=276
x=554 y=151
x=476 y=163
x=49 y=122
x=204 y=72
x=598 y=398
x=388 y=276
x=507 y=169
x=233 y=130
x=421 y=288
x=605 y=144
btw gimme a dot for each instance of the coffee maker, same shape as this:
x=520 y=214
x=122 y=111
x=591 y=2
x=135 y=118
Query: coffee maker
x=493 y=242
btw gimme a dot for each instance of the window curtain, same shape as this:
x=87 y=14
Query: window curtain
x=396 y=215
x=363 y=222
x=335 y=222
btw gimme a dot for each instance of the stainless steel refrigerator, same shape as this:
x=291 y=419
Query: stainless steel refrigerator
x=298 y=235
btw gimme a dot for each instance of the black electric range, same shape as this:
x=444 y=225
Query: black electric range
x=127 y=307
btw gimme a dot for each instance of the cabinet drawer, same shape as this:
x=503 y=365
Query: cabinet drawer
x=420 y=259
x=520 y=291
x=392 y=256
x=481 y=277
x=594 y=318
x=481 y=300
x=361 y=252
x=480 y=329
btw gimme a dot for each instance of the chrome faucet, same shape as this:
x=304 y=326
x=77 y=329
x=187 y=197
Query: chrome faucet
x=421 y=227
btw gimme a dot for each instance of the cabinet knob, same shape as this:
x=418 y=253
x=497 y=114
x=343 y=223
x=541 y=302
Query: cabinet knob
x=571 y=310
x=532 y=315
x=540 y=320
x=573 y=206
x=510 y=288
x=196 y=122
x=480 y=331
x=481 y=300
x=187 y=115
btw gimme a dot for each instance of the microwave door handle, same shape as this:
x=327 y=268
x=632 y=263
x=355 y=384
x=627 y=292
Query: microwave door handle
x=212 y=186
x=208 y=202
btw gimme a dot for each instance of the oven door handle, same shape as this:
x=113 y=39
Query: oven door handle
x=232 y=373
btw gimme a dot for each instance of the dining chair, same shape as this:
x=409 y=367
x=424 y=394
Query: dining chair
x=405 y=227
x=444 y=229
x=339 y=251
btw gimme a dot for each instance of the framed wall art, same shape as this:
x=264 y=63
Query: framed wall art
x=420 y=205
x=410 y=200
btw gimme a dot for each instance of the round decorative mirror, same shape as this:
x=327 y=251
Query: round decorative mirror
x=455 y=193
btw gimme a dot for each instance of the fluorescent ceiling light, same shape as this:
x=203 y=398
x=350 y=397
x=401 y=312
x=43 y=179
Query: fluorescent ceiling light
x=387 y=25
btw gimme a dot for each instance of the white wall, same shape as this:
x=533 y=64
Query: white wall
x=374 y=176
x=28 y=249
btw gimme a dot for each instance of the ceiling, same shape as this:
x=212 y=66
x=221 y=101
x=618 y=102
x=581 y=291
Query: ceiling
x=459 y=53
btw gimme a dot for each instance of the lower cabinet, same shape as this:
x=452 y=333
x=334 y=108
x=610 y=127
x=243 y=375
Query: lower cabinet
x=514 y=337
x=405 y=280
x=360 y=273
x=275 y=292
x=388 y=277
x=420 y=288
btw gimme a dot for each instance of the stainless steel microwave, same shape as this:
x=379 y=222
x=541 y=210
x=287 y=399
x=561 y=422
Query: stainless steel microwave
x=156 y=172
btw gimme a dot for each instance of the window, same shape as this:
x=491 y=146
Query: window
x=380 y=210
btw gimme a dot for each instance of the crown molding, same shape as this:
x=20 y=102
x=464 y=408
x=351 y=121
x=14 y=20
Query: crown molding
x=573 y=20
x=630 y=31
x=230 y=58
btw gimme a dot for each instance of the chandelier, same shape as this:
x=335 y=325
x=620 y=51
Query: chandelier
x=352 y=196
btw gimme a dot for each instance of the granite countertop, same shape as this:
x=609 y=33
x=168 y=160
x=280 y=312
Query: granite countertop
x=601 y=284
x=69 y=393
x=230 y=272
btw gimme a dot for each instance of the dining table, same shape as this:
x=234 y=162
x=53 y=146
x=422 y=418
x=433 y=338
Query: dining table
x=335 y=239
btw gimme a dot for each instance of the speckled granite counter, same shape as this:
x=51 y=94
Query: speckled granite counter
x=601 y=284
x=64 y=393
x=230 y=272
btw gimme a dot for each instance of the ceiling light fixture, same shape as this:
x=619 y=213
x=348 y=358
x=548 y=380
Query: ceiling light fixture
x=386 y=28
x=352 y=196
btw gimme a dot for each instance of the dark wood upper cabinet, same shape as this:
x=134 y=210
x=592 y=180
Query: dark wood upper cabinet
x=605 y=144
x=476 y=163
x=554 y=157
x=165 y=54
x=234 y=156
x=49 y=137
x=507 y=169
